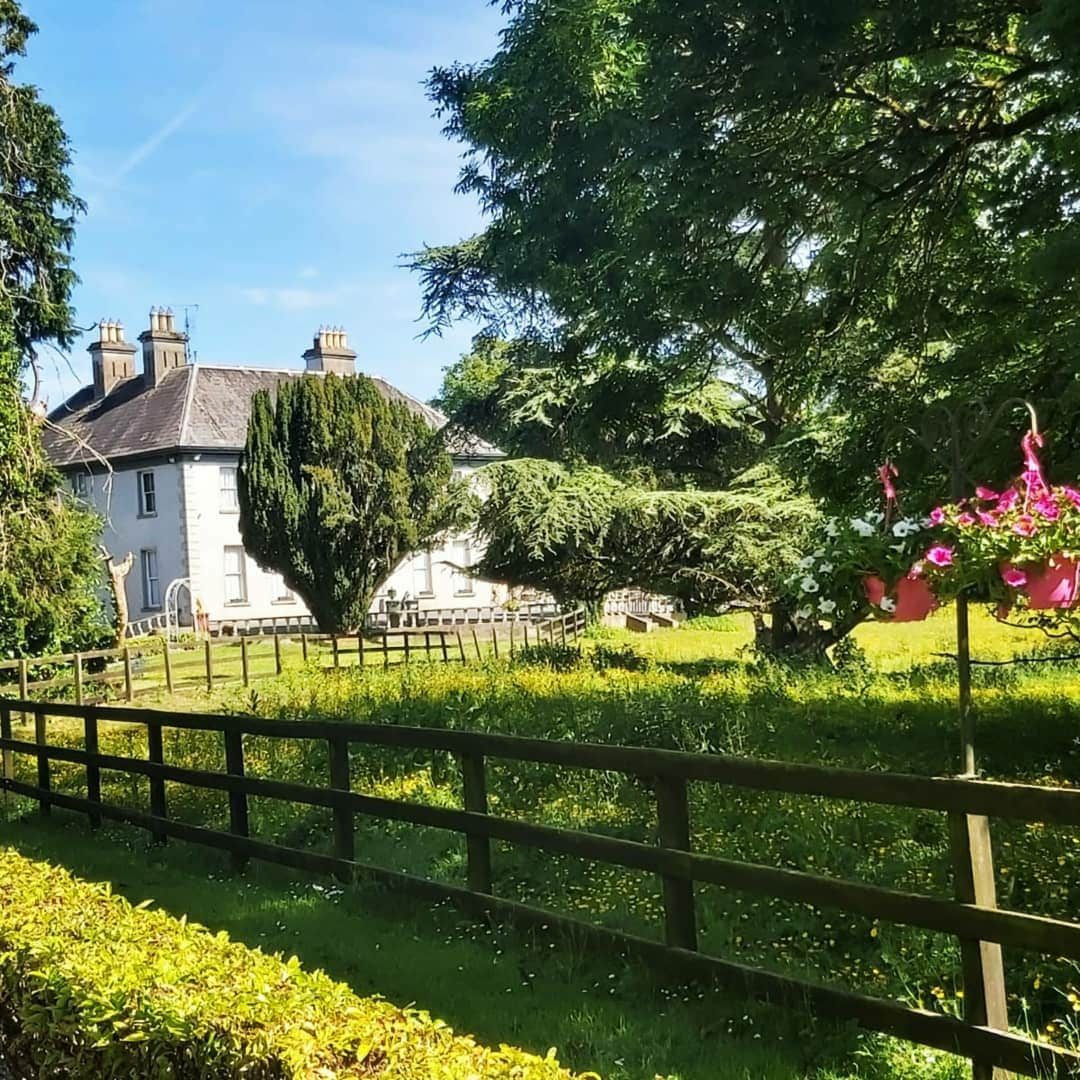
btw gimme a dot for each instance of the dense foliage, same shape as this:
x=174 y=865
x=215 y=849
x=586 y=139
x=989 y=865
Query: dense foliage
x=530 y=403
x=49 y=567
x=848 y=215
x=337 y=484
x=581 y=533
x=91 y=986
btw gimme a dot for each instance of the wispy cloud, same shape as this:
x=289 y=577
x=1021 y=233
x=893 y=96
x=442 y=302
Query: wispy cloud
x=147 y=147
x=298 y=299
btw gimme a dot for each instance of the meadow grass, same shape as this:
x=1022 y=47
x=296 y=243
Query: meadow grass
x=890 y=707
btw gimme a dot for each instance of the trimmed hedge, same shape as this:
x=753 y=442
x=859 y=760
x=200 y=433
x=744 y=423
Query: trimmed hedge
x=92 y=987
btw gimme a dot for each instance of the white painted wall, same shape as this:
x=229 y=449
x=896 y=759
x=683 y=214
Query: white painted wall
x=127 y=528
x=194 y=524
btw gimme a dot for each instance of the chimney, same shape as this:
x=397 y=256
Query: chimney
x=330 y=352
x=163 y=346
x=113 y=357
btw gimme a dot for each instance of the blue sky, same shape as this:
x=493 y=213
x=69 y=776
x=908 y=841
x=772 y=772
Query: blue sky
x=267 y=160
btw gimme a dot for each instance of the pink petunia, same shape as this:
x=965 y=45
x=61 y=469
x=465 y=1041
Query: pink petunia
x=1007 y=500
x=986 y=494
x=1025 y=525
x=1046 y=507
x=1013 y=576
x=1072 y=495
x=937 y=515
x=966 y=519
x=989 y=519
x=940 y=555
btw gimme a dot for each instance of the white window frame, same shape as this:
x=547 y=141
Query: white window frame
x=464 y=585
x=151 y=582
x=425 y=572
x=240 y=575
x=282 y=593
x=229 y=497
x=147 y=493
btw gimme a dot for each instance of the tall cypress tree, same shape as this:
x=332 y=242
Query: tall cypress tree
x=336 y=486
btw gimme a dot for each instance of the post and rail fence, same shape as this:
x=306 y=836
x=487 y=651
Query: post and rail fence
x=983 y=1036
x=154 y=667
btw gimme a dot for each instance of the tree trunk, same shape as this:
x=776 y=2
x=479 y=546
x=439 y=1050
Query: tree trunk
x=783 y=639
x=118 y=572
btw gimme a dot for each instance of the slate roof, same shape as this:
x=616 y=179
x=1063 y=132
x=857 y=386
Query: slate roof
x=195 y=407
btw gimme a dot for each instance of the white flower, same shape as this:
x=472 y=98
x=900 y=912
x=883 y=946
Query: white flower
x=826 y=568
x=832 y=530
x=827 y=607
x=863 y=528
x=888 y=604
x=804 y=613
x=898 y=548
x=878 y=517
x=820 y=553
x=927 y=523
x=807 y=563
x=808 y=584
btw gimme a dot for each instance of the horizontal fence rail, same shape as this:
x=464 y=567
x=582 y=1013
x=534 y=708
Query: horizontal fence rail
x=157 y=666
x=671 y=859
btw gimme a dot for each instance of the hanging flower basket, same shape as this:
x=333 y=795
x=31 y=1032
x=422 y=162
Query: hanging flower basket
x=1021 y=545
x=1049 y=585
x=910 y=600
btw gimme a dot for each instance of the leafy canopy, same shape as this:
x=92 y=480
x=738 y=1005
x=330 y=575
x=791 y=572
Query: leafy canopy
x=336 y=485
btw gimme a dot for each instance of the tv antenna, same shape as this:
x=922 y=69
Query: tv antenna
x=190 y=319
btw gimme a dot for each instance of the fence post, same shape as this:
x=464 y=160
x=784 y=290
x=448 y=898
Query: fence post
x=93 y=770
x=156 y=756
x=495 y=641
x=334 y=647
x=277 y=651
x=78 y=679
x=461 y=647
x=344 y=839
x=385 y=650
x=985 y=1002
x=24 y=682
x=562 y=629
x=129 y=691
x=303 y=644
x=166 y=657
x=238 y=804
x=474 y=783
x=673 y=817
x=511 y=641
x=525 y=628
x=7 y=758
x=476 y=643
x=405 y=641
x=551 y=631
x=442 y=641
x=360 y=649
x=245 y=672
x=43 y=771
x=209 y=666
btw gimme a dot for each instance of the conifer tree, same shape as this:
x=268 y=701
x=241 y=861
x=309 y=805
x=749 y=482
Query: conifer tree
x=50 y=570
x=337 y=484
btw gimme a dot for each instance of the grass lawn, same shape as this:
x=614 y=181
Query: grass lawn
x=891 y=706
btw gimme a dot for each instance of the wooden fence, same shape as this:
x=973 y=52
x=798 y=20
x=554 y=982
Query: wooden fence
x=969 y=803
x=151 y=668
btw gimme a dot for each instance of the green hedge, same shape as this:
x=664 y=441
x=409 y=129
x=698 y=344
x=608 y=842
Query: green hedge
x=92 y=987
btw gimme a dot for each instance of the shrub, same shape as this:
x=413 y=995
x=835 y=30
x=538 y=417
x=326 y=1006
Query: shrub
x=623 y=657
x=558 y=657
x=93 y=987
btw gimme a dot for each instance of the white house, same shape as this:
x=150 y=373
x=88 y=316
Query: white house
x=156 y=454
